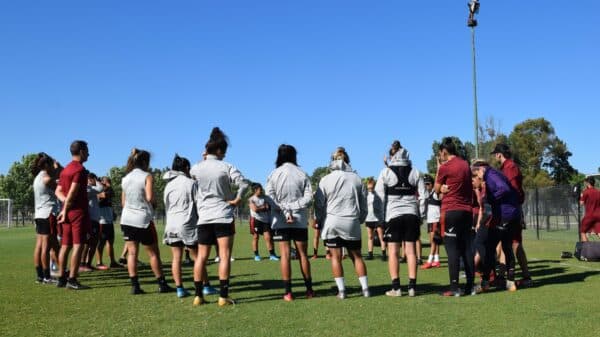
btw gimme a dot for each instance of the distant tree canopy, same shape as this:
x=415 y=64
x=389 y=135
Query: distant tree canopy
x=17 y=184
x=318 y=173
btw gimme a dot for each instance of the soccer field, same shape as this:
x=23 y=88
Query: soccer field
x=562 y=302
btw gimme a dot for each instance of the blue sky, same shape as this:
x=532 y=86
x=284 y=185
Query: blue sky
x=316 y=74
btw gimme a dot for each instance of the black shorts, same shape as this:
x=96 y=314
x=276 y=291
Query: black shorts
x=108 y=232
x=403 y=228
x=340 y=243
x=180 y=244
x=209 y=233
x=288 y=234
x=145 y=236
x=457 y=224
x=95 y=229
x=373 y=224
x=258 y=227
x=42 y=226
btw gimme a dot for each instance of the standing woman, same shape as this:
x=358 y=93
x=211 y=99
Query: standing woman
x=373 y=223
x=215 y=204
x=401 y=188
x=341 y=206
x=289 y=189
x=453 y=181
x=138 y=203
x=44 y=170
x=107 y=233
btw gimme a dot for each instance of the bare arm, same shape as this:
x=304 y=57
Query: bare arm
x=68 y=203
x=150 y=191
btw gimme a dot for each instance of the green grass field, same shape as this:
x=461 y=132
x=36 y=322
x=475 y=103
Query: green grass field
x=563 y=301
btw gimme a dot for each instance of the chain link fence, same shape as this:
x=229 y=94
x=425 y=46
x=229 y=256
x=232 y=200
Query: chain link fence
x=552 y=209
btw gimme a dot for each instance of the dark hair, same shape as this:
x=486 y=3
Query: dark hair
x=370 y=180
x=77 y=146
x=395 y=147
x=427 y=179
x=448 y=145
x=107 y=178
x=217 y=141
x=286 y=154
x=180 y=164
x=42 y=161
x=340 y=153
x=92 y=176
x=255 y=186
x=590 y=180
x=138 y=159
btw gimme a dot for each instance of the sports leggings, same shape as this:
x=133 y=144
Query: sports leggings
x=502 y=232
x=458 y=242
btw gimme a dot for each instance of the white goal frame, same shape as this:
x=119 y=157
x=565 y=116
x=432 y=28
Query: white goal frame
x=9 y=212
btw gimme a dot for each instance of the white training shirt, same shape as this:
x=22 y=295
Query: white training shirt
x=181 y=218
x=43 y=195
x=374 y=205
x=260 y=216
x=397 y=205
x=433 y=211
x=93 y=202
x=137 y=212
x=341 y=203
x=289 y=191
x=214 y=178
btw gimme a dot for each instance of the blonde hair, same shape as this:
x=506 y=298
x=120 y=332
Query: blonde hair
x=340 y=154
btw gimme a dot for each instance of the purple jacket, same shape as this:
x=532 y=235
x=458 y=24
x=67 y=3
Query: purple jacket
x=501 y=196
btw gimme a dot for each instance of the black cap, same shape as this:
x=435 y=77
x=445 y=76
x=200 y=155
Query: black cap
x=501 y=148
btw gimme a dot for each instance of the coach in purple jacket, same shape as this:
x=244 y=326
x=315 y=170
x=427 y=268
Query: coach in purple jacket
x=505 y=219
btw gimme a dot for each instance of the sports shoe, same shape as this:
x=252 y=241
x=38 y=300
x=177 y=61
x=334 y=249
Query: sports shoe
x=136 y=290
x=524 y=283
x=394 y=293
x=84 y=268
x=62 y=282
x=50 y=281
x=436 y=264
x=288 y=297
x=164 y=288
x=310 y=294
x=341 y=295
x=101 y=266
x=208 y=290
x=198 y=301
x=366 y=293
x=123 y=261
x=256 y=258
x=511 y=286
x=485 y=286
x=419 y=262
x=231 y=259
x=182 y=292
x=217 y=259
x=412 y=292
x=115 y=265
x=224 y=301
x=369 y=257
x=427 y=265
x=384 y=258
x=39 y=280
x=75 y=285
x=451 y=293
x=273 y=258
x=402 y=260
x=314 y=257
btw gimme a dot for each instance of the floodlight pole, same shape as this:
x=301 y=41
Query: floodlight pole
x=472 y=22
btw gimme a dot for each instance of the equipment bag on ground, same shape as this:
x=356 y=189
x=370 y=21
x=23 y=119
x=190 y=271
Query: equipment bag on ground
x=588 y=251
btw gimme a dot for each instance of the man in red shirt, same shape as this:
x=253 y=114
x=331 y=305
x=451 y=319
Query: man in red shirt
x=74 y=217
x=510 y=169
x=590 y=199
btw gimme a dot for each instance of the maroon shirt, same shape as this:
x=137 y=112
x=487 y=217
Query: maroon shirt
x=510 y=169
x=457 y=175
x=591 y=201
x=75 y=172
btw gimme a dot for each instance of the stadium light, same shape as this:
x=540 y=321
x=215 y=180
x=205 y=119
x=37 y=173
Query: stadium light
x=472 y=23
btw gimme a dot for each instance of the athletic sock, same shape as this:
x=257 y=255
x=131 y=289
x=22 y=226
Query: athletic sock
x=412 y=283
x=272 y=252
x=206 y=284
x=363 y=282
x=383 y=253
x=308 y=284
x=436 y=258
x=287 y=284
x=371 y=254
x=198 y=288
x=39 y=271
x=224 y=291
x=396 y=284
x=134 y=281
x=47 y=273
x=256 y=253
x=161 y=280
x=339 y=281
x=315 y=251
x=430 y=259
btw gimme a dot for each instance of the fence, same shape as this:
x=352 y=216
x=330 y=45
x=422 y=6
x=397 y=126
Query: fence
x=554 y=208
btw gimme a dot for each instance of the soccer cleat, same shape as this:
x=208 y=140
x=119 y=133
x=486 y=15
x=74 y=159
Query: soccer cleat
x=419 y=262
x=384 y=258
x=136 y=290
x=84 y=268
x=50 y=281
x=369 y=257
x=123 y=261
x=182 y=292
x=288 y=297
x=436 y=264
x=39 y=280
x=273 y=258
x=62 y=282
x=485 y=286
x=341 y=295
x=224 y=301
x=198 y=301
x=524 y=283
x=208 y=290
x=366 y=293
x=426 y=265
x=115 y=265
x=451 y=293
x=511 y=286
x=412 y=292
x=394 y=293
x=101 y=266
x=310 y=294
x=256 y=258
x=75 y=285
x=164 y=288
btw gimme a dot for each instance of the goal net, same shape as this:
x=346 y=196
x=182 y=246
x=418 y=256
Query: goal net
x=6 y=206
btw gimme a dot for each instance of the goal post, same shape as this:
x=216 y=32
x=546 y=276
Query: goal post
x=6 y=212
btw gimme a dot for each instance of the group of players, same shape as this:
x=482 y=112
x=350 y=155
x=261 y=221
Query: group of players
x=474 y=209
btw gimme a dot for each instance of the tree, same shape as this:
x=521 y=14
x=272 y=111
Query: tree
x=17 y=184
x=116 y=175
x=318 y=173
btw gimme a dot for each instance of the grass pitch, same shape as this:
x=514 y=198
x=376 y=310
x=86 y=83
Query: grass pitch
x=562 y=302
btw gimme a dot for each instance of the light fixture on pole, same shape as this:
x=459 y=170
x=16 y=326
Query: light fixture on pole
x=472 y=22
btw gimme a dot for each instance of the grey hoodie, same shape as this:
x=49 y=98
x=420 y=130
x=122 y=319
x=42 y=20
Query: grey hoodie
x=341 y=203
x=289 y=191
x=181 y=218
x=397 y=205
